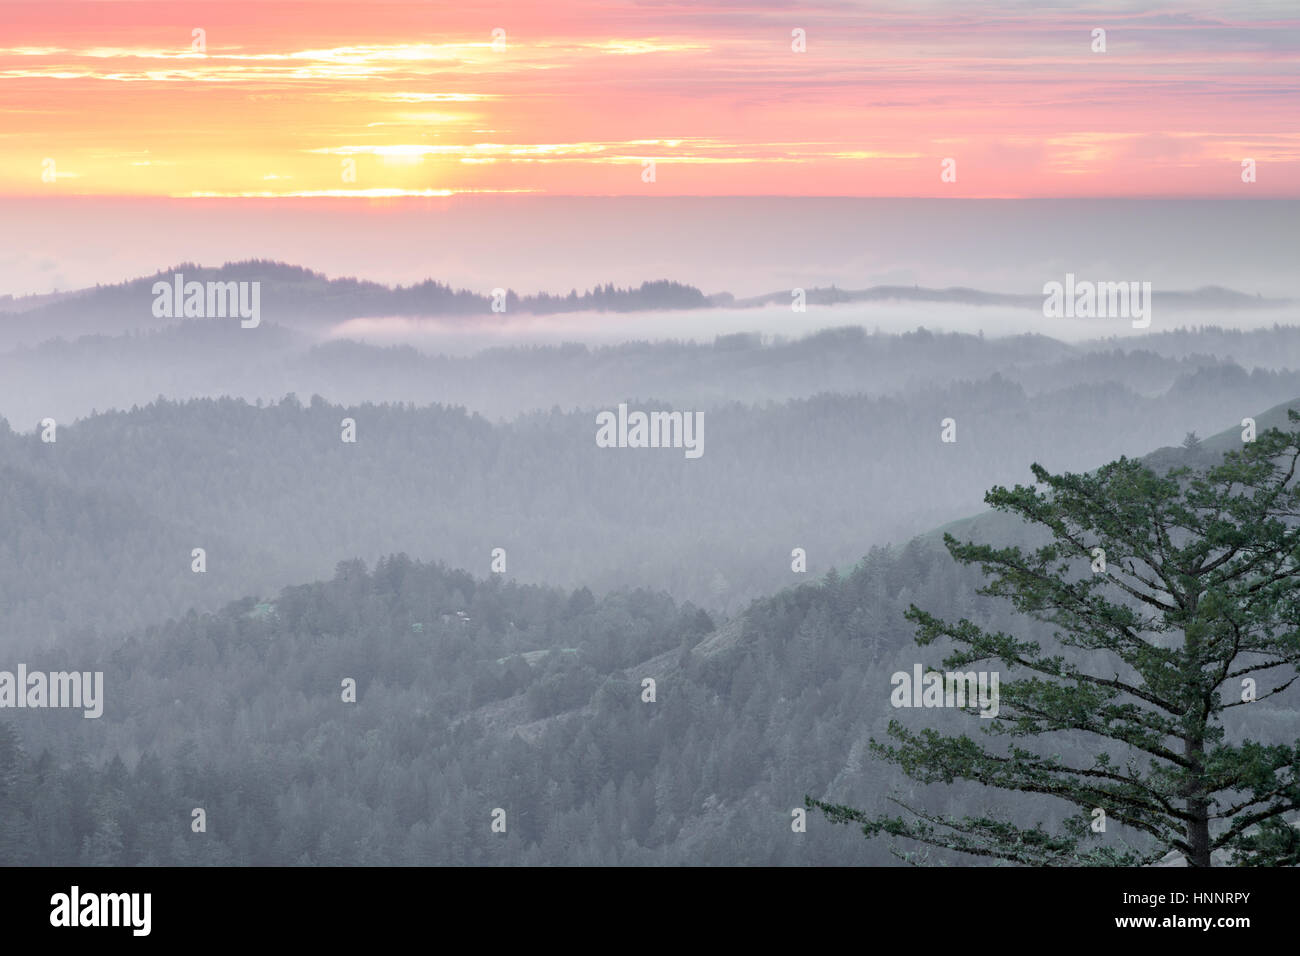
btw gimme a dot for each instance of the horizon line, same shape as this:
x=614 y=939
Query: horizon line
x=526 y=194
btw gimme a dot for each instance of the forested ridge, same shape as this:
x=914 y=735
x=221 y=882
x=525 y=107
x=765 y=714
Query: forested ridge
x=71 y=376
x=100 y=525
x=295 y=295
x=480 y=693
x=522 y=690
x=528 y=699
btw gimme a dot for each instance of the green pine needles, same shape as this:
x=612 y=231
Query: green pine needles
x=1172 y=598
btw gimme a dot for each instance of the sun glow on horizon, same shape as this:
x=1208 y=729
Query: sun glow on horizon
x=257 y=100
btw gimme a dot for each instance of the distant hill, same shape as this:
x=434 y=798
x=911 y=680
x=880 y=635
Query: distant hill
x=1207 y=297
x=293 y=295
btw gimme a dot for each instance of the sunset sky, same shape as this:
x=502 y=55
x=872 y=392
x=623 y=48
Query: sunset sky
x=110 y=99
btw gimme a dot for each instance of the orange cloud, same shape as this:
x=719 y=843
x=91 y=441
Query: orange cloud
x=288 y=99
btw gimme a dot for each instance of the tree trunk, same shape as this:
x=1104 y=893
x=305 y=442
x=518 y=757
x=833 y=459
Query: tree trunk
x=1198 y=805
x=1198 y=833
x=1198 y=801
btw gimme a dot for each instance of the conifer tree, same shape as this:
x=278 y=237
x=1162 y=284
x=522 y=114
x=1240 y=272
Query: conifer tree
x=1171 y=599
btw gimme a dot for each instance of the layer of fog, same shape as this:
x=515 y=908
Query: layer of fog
x=704 y=359
x=458 y=337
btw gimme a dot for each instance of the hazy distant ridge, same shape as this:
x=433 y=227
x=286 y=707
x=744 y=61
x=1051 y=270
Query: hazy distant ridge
x=300 y=296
